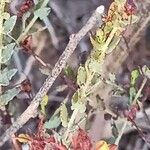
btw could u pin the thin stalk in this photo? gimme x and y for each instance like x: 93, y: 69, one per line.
x: 140, y: 90
x: 121, y: 132
x: 71, y: 122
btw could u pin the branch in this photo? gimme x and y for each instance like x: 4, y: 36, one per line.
x: 31, y: 111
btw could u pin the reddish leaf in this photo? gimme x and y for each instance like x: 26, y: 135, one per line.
x: 131, y: 113
x: 81, y: 141
x: 39, y: 141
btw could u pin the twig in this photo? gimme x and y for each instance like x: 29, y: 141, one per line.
x: 31, y: 111
x: 121, y: 132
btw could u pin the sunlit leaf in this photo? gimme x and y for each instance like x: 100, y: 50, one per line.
x: 44, y: 103
x: 95, y: 66
x: 64, y: 115
x: 42, y: 12
x: 9, y: 24
x: 115, y: 41
x: 81, y: 77
x: 132, y: 93
x: 53, y: 122
x: 96, y: 45
x: 80, y: 106
x: 134, y: 76
x: 100, y: 36
x: 146, y: 71
x: 8, y: 96
x: 6, y: 76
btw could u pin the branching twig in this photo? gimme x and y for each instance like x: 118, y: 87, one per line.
x: 31, y: 111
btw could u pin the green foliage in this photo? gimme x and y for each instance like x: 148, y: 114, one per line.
x: 9, y: 24
x: 8, y: 96
x: 42, y: 12
x: 6, y: 75
x: 64, y: 115
x: 132, y: 94
x: 53, y: 122
x: 80, y: 106
x: 115, y: 41
x: 44, y: 103
x: 134, y: 76
x: 7, y: 52
x: 95, y: 66
x: 104, y: 42
x: 69, y: 72
x: 81, y: 77
x: 146, y: 71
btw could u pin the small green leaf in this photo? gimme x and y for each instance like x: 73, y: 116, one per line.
x: 95, y: 66
x: 146, y: 71
x: 132, y: 93
x: 8, y: 96
x: 6, y: 76
x: 115, y: 41
x: 42, y: 12
x: 81, y: 77
x: 7, y: 52
x: 75, y: 97
x: 100, y: 36
x: 80, y: 106
x: 9, y: 24
x: 96, y: 45
x: 44, y: 103
x: 69, y: 72
x: 134, y: 76
x: 64, y: 115
x: 54, y: 122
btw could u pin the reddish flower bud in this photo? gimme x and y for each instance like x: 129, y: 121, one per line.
x: 26, y: 86
x: 27, y: 44
x: 130, y: 7
x: 25, y: 7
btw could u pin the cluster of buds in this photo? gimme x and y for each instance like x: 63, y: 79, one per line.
x: 131, y: 113
x: 25, y: 7
x: 26, y: 44
x: 26, y: 86
x: 130, y: 7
